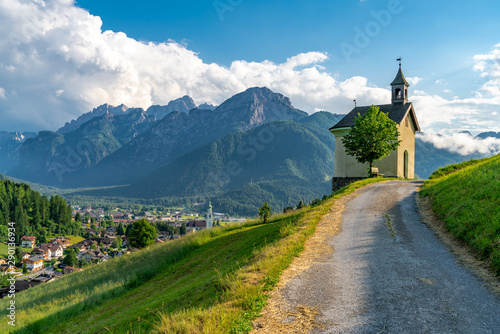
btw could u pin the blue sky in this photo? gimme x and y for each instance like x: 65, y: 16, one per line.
x: 437, y: 39
x: 60, y: 58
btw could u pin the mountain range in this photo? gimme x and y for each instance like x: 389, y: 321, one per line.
x: 254, y: 147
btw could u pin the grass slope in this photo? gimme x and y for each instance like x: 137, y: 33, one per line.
x: 429, y: 158
x: 212, y: 281
x: 466, y: 197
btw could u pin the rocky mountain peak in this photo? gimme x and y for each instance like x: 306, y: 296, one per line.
x: 183, y: 104
x: 258, y: 105
x: 96, y: 112
x: 206, y: 106
x: 489, y: 134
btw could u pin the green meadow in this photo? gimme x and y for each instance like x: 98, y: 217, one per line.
x: 466, y: 197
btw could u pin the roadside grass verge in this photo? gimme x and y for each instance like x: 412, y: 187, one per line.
x: 453, y: 168
x: 467, y: 201
x: 214, y: 281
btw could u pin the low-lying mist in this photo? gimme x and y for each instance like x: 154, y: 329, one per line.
x: 462, y: 143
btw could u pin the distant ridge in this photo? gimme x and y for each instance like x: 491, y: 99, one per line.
x: 96, y: 112
x: 183, y: 104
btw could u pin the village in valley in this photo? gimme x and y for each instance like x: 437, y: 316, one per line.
x: 105, y: 236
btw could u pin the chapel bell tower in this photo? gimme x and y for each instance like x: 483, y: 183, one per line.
x: 400, y: 87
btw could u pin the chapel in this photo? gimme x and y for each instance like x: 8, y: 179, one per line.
x: 401, y: 162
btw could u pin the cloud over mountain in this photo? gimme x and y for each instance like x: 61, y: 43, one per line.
x: 56, y: 63
x: 462, y: 143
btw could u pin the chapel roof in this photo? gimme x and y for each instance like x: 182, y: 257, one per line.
x: 396, y: 112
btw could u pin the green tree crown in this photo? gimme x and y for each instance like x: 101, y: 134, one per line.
x: 70, y: 259
x: 265, y: 212
x: 373, y: 137
x: 142, y: 234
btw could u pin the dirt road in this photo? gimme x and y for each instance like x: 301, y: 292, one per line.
x: 388, y: 273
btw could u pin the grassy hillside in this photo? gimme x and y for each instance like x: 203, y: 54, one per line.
x: 212, y: 281
x: 466, y: 198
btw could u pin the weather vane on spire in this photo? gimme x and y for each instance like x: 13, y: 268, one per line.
x: 399, y: 59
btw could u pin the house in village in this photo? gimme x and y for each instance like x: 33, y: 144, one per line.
x: 34, y: 263
x: 93, y: 255
x: 197, y: 225
x: 400, y: 163
x: 56, y: 251
x: 63, y: 241
x: 28, y: 242
x: 4, y: 268
x: 44, y: 251
x: 25, y: 256
x: 50, y: 250
x: 79, y: 247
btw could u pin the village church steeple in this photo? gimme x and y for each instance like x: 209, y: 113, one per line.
x: 399, y: 87
x: 210, y: 215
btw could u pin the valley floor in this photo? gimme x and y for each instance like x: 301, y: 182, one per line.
x: 384, y: 272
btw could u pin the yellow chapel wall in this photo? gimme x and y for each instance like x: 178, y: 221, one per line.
x: 391, y: 166
x: 407, y: 135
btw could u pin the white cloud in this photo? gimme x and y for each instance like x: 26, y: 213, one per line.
x: 60, y: 63
x: 489, y: 66
x: 462, y: 143
x: 2, y: 94
x: 447, y: 91
x: 476, y: 113
x: 413, y: 81
x: 305, y: 59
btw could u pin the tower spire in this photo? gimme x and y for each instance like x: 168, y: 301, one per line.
x: 210, y: 216
x: 399, y: 87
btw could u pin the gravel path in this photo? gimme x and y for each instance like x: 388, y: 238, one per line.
x: 390, y: 274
